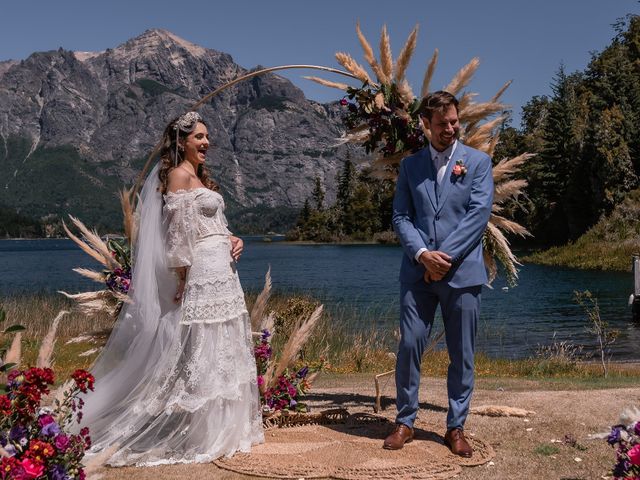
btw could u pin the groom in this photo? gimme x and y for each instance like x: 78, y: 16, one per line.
x: 441, y: 208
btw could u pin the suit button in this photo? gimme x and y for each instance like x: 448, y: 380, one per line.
x: 437, y: 217
x: 430, y: 241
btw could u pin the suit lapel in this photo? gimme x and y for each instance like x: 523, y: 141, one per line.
x: 428, y: 172
x: 460, y: 153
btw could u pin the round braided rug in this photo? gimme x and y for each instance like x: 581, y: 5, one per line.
x: 351, y: 450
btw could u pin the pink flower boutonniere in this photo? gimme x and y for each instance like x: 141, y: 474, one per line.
x: 459, y: 169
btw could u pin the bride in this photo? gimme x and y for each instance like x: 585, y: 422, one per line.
x: 176, y: 381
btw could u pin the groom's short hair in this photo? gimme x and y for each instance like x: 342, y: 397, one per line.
x: 437, y: 102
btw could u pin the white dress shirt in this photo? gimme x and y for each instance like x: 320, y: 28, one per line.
x: 440, y: 161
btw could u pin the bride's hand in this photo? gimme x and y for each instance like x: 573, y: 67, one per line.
x: 181, y: 273
x: 237, y: 245
x: 179, y: 291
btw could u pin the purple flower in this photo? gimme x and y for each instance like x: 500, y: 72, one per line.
x: 10, y: 449
x: 58, y: 473
x: 61, y: 442
x: 292, y: 403
x: 302, y: 372
x: 50, y: 429
x: 614, y: 436
x: 17, y: 433
x: 636, y: 428
x: 343, y: 102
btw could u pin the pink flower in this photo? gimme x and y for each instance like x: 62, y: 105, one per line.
x: 343, y: 102
x: 31, y: 468
x: 260, y: 380
x: 459, y: 169
x: 634, y: 455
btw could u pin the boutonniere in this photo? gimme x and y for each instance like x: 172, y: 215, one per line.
x: 459, y: 169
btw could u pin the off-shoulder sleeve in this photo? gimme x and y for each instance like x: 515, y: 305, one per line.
x: 180, y: 219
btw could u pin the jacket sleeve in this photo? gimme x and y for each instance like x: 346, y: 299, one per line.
x: 469, y: 231
x: 179, y: 216
x: 404, y: 214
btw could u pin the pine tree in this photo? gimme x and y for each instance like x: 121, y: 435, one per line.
x: 318, y: 195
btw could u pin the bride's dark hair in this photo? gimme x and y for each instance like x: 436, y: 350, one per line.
x: 169, y: 152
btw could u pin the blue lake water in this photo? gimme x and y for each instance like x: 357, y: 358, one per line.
x: 360, y: 283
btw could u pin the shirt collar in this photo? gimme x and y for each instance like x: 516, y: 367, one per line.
x: 448, y: 152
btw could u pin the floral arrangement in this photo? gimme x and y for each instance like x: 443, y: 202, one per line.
x: 625, y: 438
x: 289, y: 386
x: 115, y: 256
x: 33, y: 438
x: 382, y: 116
x: 119, y: 279
x: 393, y: 126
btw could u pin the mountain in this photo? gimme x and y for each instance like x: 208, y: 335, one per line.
x: 77, y: 126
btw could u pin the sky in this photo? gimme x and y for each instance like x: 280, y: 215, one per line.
x: 521, y: 40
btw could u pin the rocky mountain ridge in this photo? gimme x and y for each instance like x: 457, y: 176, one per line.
x: 76, y: 126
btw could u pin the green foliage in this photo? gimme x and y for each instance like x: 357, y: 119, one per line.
x: 608, y: 245
x: 362, y: 211
x: 57, y: 181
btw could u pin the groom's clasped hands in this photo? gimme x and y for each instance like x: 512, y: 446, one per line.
x: 436, y: 263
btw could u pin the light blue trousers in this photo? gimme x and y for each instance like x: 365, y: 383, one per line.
x: 460, y: 311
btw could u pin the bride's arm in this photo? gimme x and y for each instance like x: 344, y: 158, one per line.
x: 179, y: 216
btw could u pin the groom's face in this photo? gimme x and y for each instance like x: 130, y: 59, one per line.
x: 444, y: 128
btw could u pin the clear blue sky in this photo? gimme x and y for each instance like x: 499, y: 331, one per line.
x: 525, y: 41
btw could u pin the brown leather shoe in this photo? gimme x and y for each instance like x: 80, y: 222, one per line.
x: 401, y: 435
x: 454, y: 439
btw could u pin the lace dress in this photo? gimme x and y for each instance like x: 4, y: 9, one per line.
x: 201, y: 400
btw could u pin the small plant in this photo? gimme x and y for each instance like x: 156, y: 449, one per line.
x: 8, y: 361
x: 605, y: 336
x: 546, y: 449
x: 558, y: 357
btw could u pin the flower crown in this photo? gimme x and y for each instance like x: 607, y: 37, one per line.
x: 187, y: 122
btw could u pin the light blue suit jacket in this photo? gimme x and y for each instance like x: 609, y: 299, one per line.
x: 451, y: 217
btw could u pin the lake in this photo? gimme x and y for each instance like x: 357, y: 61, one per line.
x: 359, y: 283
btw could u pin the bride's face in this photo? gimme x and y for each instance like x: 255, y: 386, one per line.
x: 196, y: 145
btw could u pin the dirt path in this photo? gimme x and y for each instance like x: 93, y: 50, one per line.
x: 524, y: 449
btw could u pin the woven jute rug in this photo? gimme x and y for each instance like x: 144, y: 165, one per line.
x: 343, y: 446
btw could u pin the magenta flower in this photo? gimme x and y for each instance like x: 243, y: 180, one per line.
x: 62, y: 442
x: 634, y: 455
x: 45, y: 420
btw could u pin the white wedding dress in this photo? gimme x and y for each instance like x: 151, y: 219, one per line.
x: 177, y: 383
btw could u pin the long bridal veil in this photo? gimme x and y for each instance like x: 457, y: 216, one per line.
x: 142, y: 337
